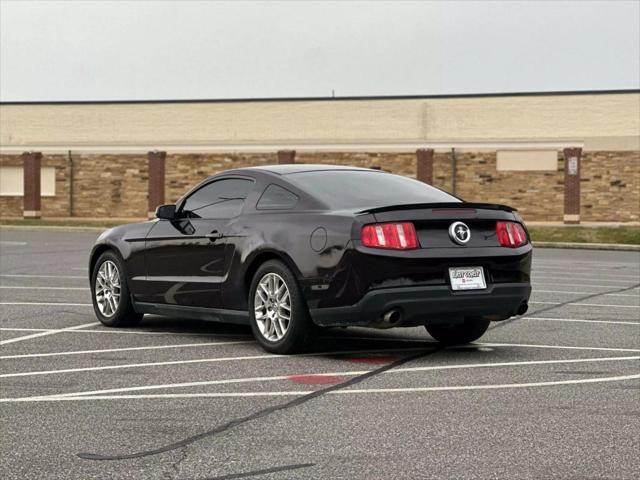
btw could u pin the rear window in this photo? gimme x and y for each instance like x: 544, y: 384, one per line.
x: 277, y: 198
x: 363, y: 189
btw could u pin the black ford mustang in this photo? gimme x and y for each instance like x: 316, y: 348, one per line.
x: 292, y: 247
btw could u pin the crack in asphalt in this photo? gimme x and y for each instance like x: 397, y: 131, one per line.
x: 260, y: 413
x: 264, y: 471
x: 563, y: 304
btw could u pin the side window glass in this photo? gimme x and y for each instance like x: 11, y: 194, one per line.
x: 277, y: 198
x: 221, y: 199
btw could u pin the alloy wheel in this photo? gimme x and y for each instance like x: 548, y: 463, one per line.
x: 272, y: 306
x: 107, y: 288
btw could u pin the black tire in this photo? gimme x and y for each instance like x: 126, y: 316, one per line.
x: 459, y: 334
x: 300, y: 330
x: 124, y: 315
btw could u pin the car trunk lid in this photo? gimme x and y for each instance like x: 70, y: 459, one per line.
x: 434, y: 222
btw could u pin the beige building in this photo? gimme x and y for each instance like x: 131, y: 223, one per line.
x: 499, y: 148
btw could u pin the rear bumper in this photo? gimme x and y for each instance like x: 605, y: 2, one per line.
x: 427, y: 304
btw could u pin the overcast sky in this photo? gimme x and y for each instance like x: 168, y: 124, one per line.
x: 106, y: 50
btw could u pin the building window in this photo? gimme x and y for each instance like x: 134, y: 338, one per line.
x: 527, y: 160
x: 12, y: 181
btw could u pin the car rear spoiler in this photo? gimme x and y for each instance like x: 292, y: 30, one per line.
x: 447, y: 205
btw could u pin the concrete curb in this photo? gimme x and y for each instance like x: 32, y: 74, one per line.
x: 588, y: 246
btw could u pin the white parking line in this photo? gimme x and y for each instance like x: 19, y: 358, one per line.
x: 585, y: 304
x: 274, y: 357
x: 41, y: 276
x: 580, y: 320
x: 200, y: 360
x: 487, y: 387
x: 604, y: 265
x: 586, y: 293
x: 208, y: 335
x: 125, y: 349
x: 24, y: 329
x: 122, y: 332
x: 6, y: 242
x: 48, y: 332
x: 48, y: 304
x: 335, y: 392
x: 625, y: 272
x: 581, y: 285
x: 595, y: 265
x: 595, y: 273
x: 559, y: 347
x: 599, y: 279
x: 599, y: 275
x: 341, y: 374
x: 10, y: 287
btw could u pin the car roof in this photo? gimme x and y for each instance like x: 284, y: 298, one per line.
x: 301, y: 167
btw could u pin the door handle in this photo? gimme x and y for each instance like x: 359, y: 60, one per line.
x: 213, y: 236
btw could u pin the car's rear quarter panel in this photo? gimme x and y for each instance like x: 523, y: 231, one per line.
x: 287, y: 236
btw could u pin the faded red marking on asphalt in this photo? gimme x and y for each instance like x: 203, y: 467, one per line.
x: 316, y: 379
x: 372, y: 359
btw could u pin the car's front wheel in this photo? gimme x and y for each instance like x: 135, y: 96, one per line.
x: 279, y: 316
x: 110, y: 293
x: 459, y: 333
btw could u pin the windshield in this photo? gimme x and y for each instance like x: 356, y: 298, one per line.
x: 366, y: 189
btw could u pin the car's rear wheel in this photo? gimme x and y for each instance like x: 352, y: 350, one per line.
x: 460, y: 333
x: 110, y: 293
x: 279, y: 316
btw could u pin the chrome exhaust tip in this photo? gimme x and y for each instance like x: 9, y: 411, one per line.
x: 392, y: 317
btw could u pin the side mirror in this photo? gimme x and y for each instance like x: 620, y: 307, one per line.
x: 166, y: 212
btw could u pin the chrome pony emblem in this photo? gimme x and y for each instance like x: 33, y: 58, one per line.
x: 459, y: 233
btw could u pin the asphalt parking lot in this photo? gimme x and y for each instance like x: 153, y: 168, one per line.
x: 555, y: 394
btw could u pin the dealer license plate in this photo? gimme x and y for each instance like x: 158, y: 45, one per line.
x: 467, y: 278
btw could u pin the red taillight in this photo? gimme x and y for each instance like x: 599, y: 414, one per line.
x: 511, y: 234
x: 397, y: 236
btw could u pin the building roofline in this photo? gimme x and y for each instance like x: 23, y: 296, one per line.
x: 516, y: 144
x: 324, y: 99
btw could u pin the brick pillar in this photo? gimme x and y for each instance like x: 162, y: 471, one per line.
x: 31, y: 162
x: 572, y: 185
x: 424, y: 165
x: 286, y: 156
x: 156, y: 180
